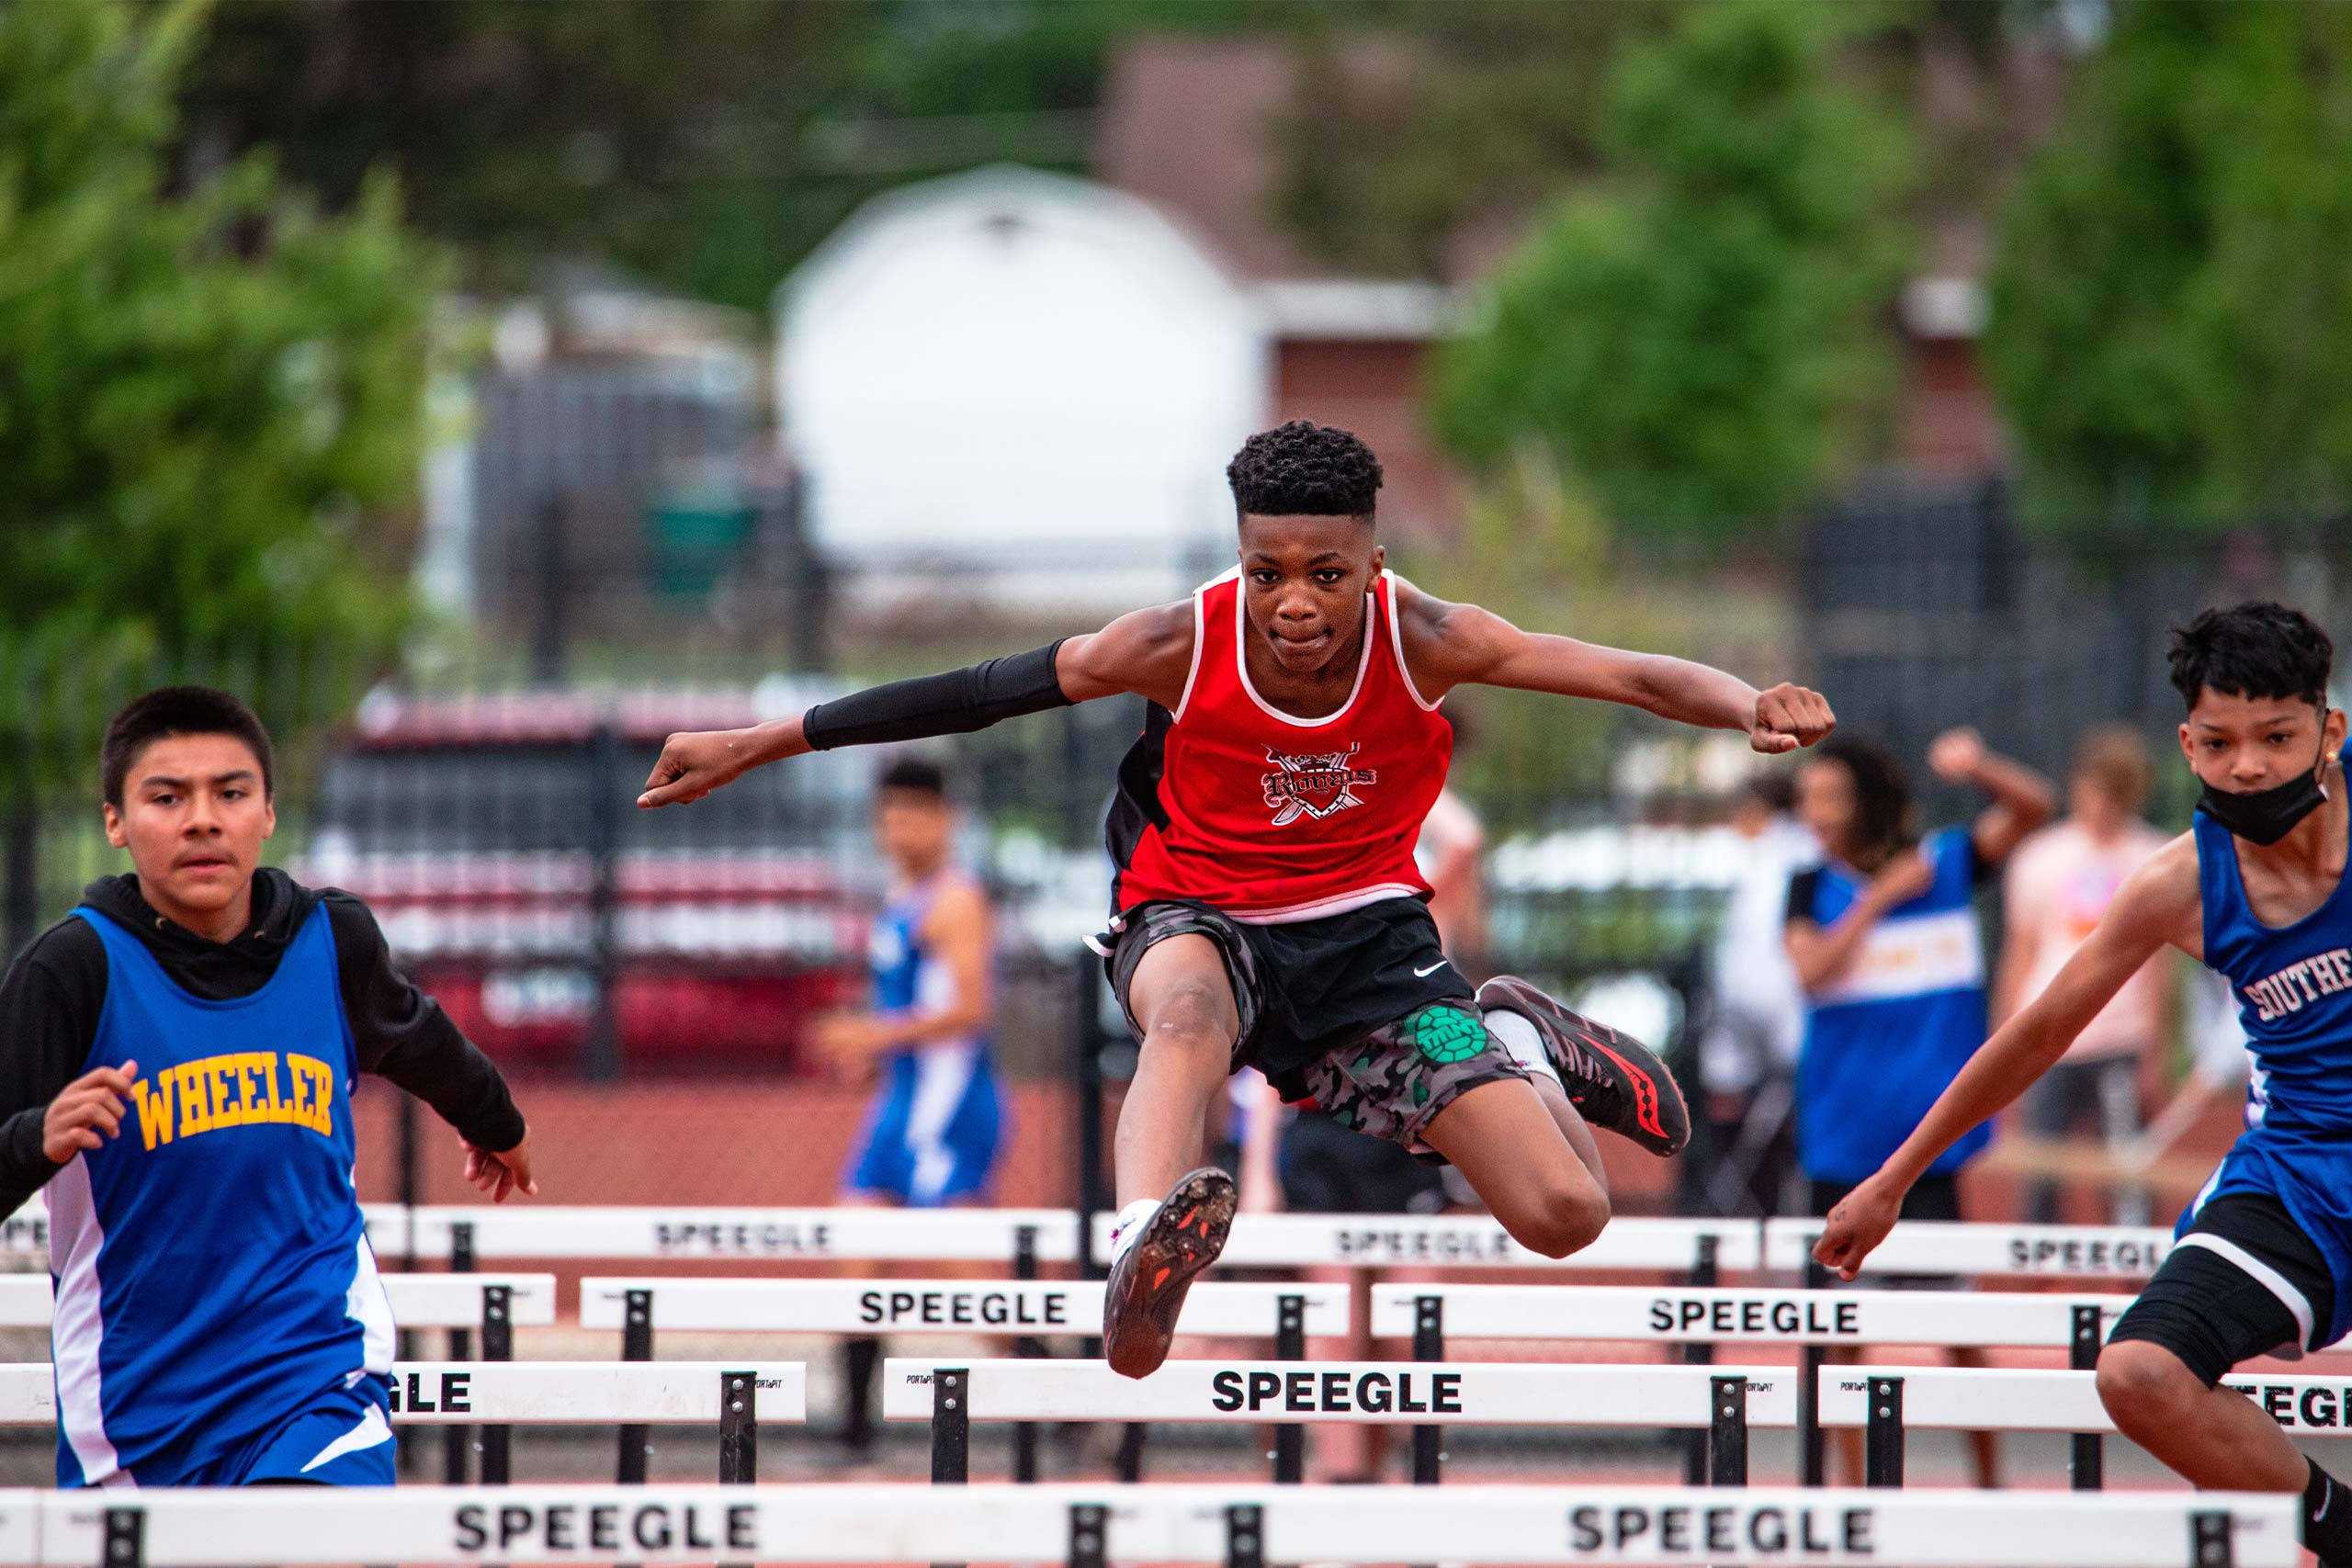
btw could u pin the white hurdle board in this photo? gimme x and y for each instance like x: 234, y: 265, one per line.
x: 2006, y: 1399
x: 1721, y: 1315
x: 520, y: 1394
x: 24, y: 1233
x: 1477, y: 1393
x: 1932, y: 1246
x: 419, y: 1301
x: 941, y: 1306
x: 895, y: 1524
x: 1463, y: 1241
x: 779, y: 1234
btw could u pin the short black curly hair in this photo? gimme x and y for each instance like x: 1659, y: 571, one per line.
x: 2260, y: 648
x: 1302, y: 469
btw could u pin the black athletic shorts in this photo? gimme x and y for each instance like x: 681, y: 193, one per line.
x: 2243, y: 1282
x: 1361, y: 1010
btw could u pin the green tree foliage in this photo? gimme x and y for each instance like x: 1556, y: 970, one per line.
x: 2172, y: 306
x: 1698, y: 334
x: 208, y: 394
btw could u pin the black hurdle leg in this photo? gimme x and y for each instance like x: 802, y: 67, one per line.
x: 951, y: 1430
x: 1245, y: 1536
x: 1028, y: 1347
x: 457, y: 1442
x: 1290, y: 1345
x: 1429, y: 1345
x: 497, y: 1345
x: 1089, y: 1523
x: 1727, y: 1432
x: 1810, y: 1361
x: 1882, y: 1436
x: 738, y: 1432
x: 1706, y: 1271
x: 2211, y: 1542
x: 126, y: 1538
x: 2088, y: 1457
x: 636, y: 1345
x: 1128, y: 1466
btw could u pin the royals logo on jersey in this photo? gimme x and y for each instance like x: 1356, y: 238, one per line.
x: 1313, y: 786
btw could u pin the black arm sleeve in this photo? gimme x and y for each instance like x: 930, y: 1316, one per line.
x: 403, y: 1035
x: 49, y: 1003
x: 1803, y: 887
x: 961, y: 700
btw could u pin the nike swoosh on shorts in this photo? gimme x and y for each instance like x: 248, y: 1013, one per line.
x: 1432, y: 969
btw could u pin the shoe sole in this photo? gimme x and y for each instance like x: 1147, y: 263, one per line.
x: 1180, y: 1241
x: 1650, y: 1113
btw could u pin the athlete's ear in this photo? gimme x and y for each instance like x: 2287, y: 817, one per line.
x: 1379, y: 559
x: 2188, y: 752
x: 115, y: 833
x: 268, y: 819
x: 2330, y: 730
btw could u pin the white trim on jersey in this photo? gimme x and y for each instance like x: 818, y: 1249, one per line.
x: 77, y: 1324
x: 2262, y: 1274
x: 1200, y: 637
x: 373, y: 1429
x: 367, y: 1304
x: 943, y: 1074
x: 1911, y: 956
x: 1336, y: 904
x: 1397, y: 645
x: 1241, y: 668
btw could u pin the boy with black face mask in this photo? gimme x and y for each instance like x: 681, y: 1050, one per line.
x: 2256, y: 890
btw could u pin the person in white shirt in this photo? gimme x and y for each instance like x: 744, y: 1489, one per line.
x: 2059, y: 885
x: 1748, y: 1053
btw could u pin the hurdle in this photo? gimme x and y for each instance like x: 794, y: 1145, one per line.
x: 1091, y: 1526
x: 489, y: 1302
x: 1724, y: 1403
x: 744, y: 1235
x: 1287, y: 1313
x: 738, y: 1397
x: 1887, y: 1403
x: 1811, y: 1318
x: 1692, y: 1246
x: 1979, y: 1250
x: 24, y: 1233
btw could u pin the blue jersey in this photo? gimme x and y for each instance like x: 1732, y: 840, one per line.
x: 1887, y: 1037
x: 2294, y: 989
x: 933, y: 1132
x: 216, y: 1300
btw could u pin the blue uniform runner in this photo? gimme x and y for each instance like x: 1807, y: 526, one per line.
x: 218, y: 1319
x: 2294, y: 990
x: 930, y: 1136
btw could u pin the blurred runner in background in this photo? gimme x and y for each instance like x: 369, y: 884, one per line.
x: 1747, y: 1056
x: 2060, y: 883
x: 934, y: 1131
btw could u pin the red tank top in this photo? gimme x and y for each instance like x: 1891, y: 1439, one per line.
x: 1231, y: 803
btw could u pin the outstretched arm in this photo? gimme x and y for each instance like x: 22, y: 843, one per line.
x: 1146, y: 651
x: 2156, y: 905
x: 2022, y: 799
x: 1460, y: 645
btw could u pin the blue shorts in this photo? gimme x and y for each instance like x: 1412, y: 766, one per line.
x: 932, y: 1133
x: 340, y: 1438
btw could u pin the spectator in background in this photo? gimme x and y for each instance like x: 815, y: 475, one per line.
x: 933, y: 1131
x: 1747, y: 1055
x: 1885, y: 941
x: 2060, y: 883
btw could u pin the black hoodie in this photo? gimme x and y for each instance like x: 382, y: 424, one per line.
x: 51, y: 996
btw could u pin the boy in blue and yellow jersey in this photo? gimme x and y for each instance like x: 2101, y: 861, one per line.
x: 2258, y: 891
x: 176, y: 1061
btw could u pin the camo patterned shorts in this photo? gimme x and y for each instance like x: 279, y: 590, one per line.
x: 1393, y: 1081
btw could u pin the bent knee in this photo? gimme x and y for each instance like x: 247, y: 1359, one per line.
x: 1561, y: 1223
x: 2142, y: 1384
x: 1192, y: 1015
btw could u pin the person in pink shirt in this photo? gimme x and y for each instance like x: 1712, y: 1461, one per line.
x: 2059, y: 885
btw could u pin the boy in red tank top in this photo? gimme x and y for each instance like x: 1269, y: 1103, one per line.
x: 1268, y: 911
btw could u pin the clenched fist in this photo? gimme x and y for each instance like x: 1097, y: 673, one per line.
x: 1788, y: 716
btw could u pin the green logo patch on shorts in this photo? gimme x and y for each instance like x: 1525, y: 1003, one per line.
x: 1446, y: 1034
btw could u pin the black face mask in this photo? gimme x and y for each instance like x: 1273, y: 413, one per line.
x: 2266, y: 815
